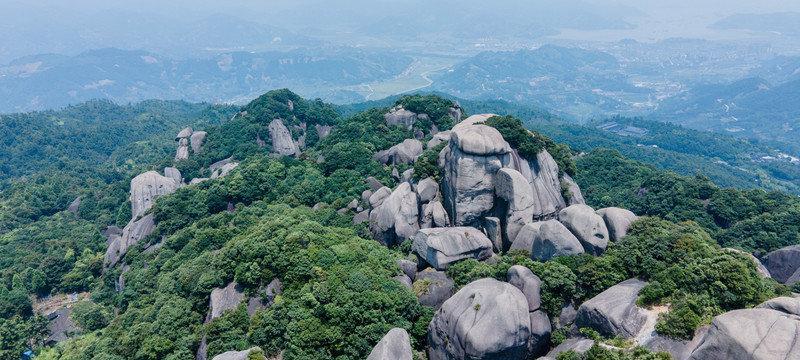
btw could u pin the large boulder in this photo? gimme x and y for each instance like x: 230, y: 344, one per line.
x: 400, y: 117
x: 784, y: 304
x: 486, y: 319
x: 784, y: 264
x: 530, y: 285
x: 471, y: 160
x: 546, y: 240
x: 577, y: 345
x: 282, y: 142
x: 440, y: 247
x: 517, y: 204
x: 405, y: 152
x: 182, y: 153
x: 397, y: 218
x: 614, y: 312
x: 433, y: 287
x: 184, y: 134
x: 395, y: 345
x: 135, y: 231
x: 617, y: 220
x: 197, y: 139
x: 427, y: 189
x: 750, y: 334
x: 433, y: 215
x: 573, y: 191
x: 587, y: 226
x: 543, y: 175
x: 146, y: 188
x: 376, y: 199
x: 439, y: 138
x: 224, y: 299
x: 254, y: 353
x: 174, y: 174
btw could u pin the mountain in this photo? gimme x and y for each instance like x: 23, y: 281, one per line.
x: 783, y: 23
x: 52, y: 81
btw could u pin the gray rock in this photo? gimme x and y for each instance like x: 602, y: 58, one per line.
x: 783, y: 263
x: 405, y: 152
x: 433, y: 287
x: 530, y: 285
x: 546, y: 240
x: 223, y: 169
x: 493, y: 228
x: 75, y: 205
x: 400, y: 117
x: 408, y: 267
x: 762, y: 270
x: 265, y: 297
x: 438, y: 138
x: 543, y: 175
x: 486, y: 319
x: 135, y: 231
x: 376, y: 199
x: 174, y: 174
x: 578, y: 345
x: 440, y: 247
x: 182, y: 153
x: 224, y: 299
x: 361, y: 217
x: 146, y: 188
x: 197, y: 140
x: 587, y: 226
x: 541, y: 329
x: 60, y: 326
x: 407, y: 175
x: 395, y: 174
x: 427, y: 189
x: 433, y: 215
x: 397, y: 218
x: 517, y: 205
x: 404, y: 280
x: 750, y: 334
x: 474, y: 155
x: 323, y: 130
x: 575, y: 195
x: 365, y: 195
x: 617, y: 220
x: 455, y: 112
x: 613, y: 312
x: 184, y: 134
x: 395, y: 345
x: 374, y: 184
x: 567, y: 315
x: 237, y: 355
x: 676, y: 348
x: 784, y: 304
x: 197, y: 180
x: 282, y: 142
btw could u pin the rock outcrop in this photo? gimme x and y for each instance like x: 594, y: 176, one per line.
x: 174, y: 174
x: 427, y: 189
x: 516, y: 204
x: 617, y: 220
x: 486, y: 319
x: 750, y: 334
x: 543, y: 176
x: 784, y: 304
x: 254, y: 353
x: 546, y: 240
x: 472, y: 158
x: 433, y: 215
x: 282, y: 142
x: 222, y: 168
x: 587, y: 226
x: 397, y: 217
x: 440, y: 247
x: 614, y: 312
x: 784, y: 264
x: 405, y: 152
x: 400, y: 117
x: 433, y: 288
x: 224, y: 299
x: 197, y: 139
x: 182, y: 153
x: 395, y: 345
x: 530, y: 285
x: 75, y: 205
x: 577, y: 345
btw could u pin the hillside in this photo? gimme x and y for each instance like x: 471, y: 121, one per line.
x: 410, y: 230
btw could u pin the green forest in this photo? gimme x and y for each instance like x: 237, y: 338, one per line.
x: 278, y: 217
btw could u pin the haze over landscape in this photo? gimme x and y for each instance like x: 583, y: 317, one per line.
x: 342, y: 179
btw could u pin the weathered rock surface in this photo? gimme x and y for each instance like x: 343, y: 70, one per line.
x: 405, y: 152
x: 397, y: 218
x: 517, y: 203
x: 282, y: 142
x: 546, y: 240
x: 323, y: 130
x: 265, y: 297
x: 184, y: 134
x: 75, y: 205
x: 486, y: 319
x: 224, y: 299
x: 376, y: 199
x: 784, y: 263
x: 361, y: 217
x: 474, y: 155
x: 174, y: 174
x: 530, y: 285
x: 404, y: 280
x: 617, y: 220
x: 395, y: 345
x: 676, y: 348
x: 408, y: 267
x: 750, y: 334
x: 146, y: 188
x: 427, y: 189
x: 400, y: 117
x: 433, y: 287
x: 135, y: 231
x: 433, y: 215
x: 438, y: 138
x: 578, y: 345
x: 587, y: 226
x: 440, y: 247
x: 543, y: 176
x: 222, y: 168
x: 613, y: 312
x: 541, y: 329
x: 374, y: 184
x: 60, y: 326
x: 182, y: 153
x: 784, y: 304
x: 197, y: 140
x: 239, y: 355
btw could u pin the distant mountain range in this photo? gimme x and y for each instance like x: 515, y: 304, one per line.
x: 784, y: 23
x: 51, y: 81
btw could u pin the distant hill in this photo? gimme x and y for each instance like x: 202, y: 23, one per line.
x: 51, y: 81
x: 785, y: 23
